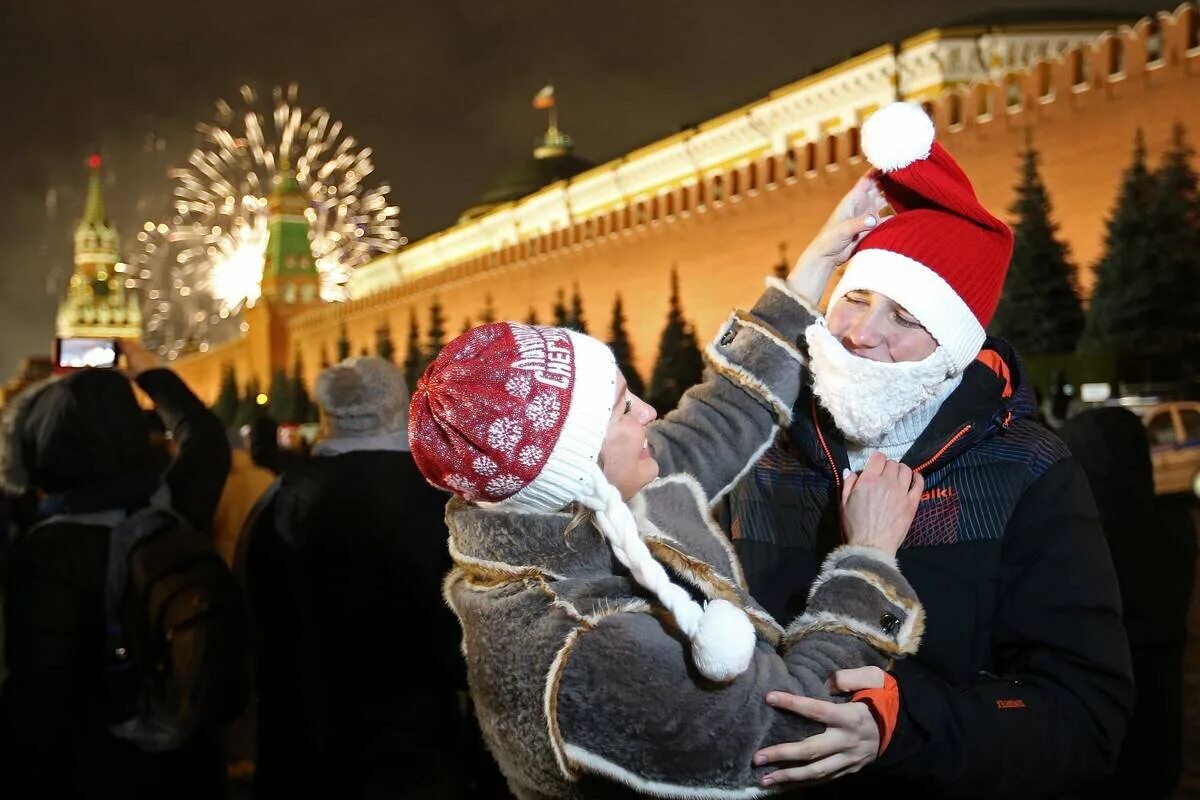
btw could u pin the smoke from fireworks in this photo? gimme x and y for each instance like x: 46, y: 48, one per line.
x: 204, y: 265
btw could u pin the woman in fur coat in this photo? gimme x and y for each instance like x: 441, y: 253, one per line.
x: 611, y: 647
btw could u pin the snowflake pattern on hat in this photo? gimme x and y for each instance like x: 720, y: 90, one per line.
x: 543, y: 411
x: 461, y: 485
x: 519, y: 386
x: 505, y: 434
x: 504, y: 485
x: 484, y: 466
x: 531, y: 455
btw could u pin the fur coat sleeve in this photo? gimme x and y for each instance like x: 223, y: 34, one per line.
x: 631, y: 709
x: 755, y: 371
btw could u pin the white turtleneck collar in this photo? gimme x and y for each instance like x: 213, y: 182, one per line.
x: 897, y: 441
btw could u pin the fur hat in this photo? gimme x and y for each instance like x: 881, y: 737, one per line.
x: 363, y: 396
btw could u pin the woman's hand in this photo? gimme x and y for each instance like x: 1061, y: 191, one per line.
x: 879, y: 503
x: 857, y: 213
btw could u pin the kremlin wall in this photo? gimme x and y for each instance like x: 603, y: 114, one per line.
x: 728, y: 200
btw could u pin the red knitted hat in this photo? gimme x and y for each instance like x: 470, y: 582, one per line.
x: 942, y: 256
x: 515, y: 414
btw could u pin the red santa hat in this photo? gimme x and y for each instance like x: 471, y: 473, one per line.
x: 942, y: 256
x: 514, y: 416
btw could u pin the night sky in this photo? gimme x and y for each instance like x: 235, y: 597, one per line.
x: 439, y: 89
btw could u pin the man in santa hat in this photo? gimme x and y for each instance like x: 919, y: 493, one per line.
x: 1023, y: 684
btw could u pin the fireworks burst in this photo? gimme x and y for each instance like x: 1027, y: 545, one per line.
x: 200, y: 269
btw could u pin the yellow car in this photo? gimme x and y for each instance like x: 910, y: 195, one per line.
x: 1174, y: 433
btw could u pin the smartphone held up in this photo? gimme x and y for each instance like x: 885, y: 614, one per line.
x: 81, y: 352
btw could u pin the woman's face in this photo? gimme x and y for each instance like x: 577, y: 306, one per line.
x: 872, y: 325
x: 624, y: 458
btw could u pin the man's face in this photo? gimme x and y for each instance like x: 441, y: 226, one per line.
x: 871, y: 325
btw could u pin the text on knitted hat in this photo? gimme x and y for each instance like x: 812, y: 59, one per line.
x: 545, y: 352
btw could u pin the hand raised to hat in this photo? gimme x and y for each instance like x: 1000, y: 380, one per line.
x: 856, y: 214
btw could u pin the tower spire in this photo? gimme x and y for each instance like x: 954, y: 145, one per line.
x: 93, y: 211
x: 289, y: 271
x: 97, y: 303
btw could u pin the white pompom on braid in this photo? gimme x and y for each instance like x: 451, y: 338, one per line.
x: 897, y: 135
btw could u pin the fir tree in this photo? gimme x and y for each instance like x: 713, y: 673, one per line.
x: 1121, y: 313
x: 280, y: 398
x: 1039, y: 311
x: 575, y: 319
x: 1176, y: 219
x: 622, y: 348
x: 466, y: 326
x: 343, y: 344
x: 363, y: 352
x: 414, y: 359
x: 436, y: 337
x: 559, y: 315
x: 324, y: 357
x: 679, y: 365
x: 488, y: 315
x: 532, y: 319
x: 226, y: 407
x: 248, y: 407
x: 383, y: 342
x: 302, y: 404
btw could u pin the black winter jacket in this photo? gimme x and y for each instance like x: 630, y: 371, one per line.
x: 1022, y: 686
x: 53, y: 737
x: 358, y: 657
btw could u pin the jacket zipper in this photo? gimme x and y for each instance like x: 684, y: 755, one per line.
x: 837, y: 479
x: 942, y: 450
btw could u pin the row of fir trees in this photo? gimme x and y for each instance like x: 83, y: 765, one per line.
x: 679, y: 364
x: 1146, y: 290
x: 285, y: 400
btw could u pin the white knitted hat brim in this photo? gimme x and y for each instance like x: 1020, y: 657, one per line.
x: 923, y: 293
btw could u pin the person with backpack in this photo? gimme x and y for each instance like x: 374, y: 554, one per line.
x: 344, y: 569
x: 115, y: 602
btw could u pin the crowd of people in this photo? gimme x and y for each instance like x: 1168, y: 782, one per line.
x: 851, y: 561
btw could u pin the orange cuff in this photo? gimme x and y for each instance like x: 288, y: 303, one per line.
x: 884, y: 704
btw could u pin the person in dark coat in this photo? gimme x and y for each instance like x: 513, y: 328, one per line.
x: 1023, y: 685
x: 1153, y: 544
x: 83, y: 443
x: 358, y: 664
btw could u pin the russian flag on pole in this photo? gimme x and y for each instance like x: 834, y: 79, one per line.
x: 544, y: 98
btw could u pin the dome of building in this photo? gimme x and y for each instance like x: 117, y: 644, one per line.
x: 552, y: 160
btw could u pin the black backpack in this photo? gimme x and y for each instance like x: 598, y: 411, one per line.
x: 175, y: 640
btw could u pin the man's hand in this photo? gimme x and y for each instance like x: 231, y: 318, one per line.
x: 850, y: 740
x: 857, y: 213
x: 879, y: 503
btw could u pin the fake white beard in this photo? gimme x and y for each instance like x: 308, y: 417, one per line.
x: 867, y: 398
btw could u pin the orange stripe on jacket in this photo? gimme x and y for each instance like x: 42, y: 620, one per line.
x: 996, y: 364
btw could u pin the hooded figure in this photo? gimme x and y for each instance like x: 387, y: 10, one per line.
x: 83, y: 444
x: 612, y: 649
x: 351, y: 546
x: 1153, y: 543
x: 1023, y: 683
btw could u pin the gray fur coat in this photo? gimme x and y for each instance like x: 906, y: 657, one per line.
x: 583, y: 687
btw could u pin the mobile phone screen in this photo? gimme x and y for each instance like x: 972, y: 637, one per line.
x: 81, y: 352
